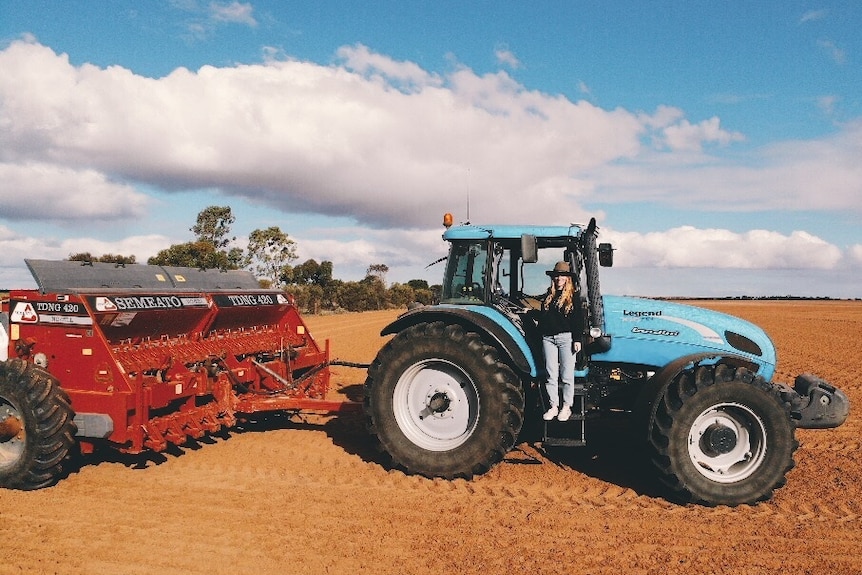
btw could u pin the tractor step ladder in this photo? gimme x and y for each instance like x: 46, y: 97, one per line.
x: 569, y: 433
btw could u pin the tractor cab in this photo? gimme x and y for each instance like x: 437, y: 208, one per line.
x: 505, y: 267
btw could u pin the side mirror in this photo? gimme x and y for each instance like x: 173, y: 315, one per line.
x: 606, y: 255
x: 529, y: 249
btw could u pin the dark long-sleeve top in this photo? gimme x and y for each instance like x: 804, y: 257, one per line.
x: 553, y: 320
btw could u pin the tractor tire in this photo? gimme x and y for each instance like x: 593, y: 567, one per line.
x: 36, y: 427
x: 441, y: 404
x: 719, y: 435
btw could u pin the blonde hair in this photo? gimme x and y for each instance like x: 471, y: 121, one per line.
x: 567, y: 294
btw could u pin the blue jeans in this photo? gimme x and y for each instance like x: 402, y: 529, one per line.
x: 560, y: 365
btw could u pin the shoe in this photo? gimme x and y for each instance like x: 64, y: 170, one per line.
x: 565, y: 413
x: 551, y: 413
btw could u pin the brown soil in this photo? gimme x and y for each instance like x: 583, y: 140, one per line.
x: 311, y: 497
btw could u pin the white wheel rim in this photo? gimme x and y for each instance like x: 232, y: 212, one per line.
x: 436, y: 405
x: 727, y: 442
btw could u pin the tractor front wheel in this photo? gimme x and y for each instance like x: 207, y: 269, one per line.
x: 440, y: 402
x: 36, y: 427
x: 721, y: 436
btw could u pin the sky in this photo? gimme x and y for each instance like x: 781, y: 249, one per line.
x: 717, y: 144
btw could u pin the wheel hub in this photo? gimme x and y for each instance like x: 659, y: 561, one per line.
x: 718, y: 439
x: 439, y: 402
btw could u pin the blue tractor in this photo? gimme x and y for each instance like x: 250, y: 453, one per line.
x: 448, y: 395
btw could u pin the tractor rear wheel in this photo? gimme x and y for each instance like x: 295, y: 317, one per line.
x: 441, y: 404
x: 721, y: 436
x: 36, y: 427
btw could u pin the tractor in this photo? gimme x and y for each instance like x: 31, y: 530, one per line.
x: 447, y: 396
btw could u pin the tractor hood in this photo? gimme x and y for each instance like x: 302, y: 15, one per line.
x: 655, y: 332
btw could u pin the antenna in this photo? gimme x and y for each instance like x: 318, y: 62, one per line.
x: 468, y: 195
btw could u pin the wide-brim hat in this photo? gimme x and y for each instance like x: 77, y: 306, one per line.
x: 560, y: 269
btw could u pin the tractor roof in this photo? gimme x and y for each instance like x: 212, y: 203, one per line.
x: 511, y: 232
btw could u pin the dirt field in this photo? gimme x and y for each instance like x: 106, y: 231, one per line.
x: 279, y: 497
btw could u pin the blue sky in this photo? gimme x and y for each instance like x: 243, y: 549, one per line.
x: 717, y: 143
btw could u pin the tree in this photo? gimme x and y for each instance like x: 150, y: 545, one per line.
x: 209, y: 250
x: 364, y: 295
x: 401, y: 295
x: 422, y: 293
x: 269, y: 252
x: 202, y: 255
x: 311, y: 272
x: 309, y: 298
x: 213, y: 226
x: 106, y: 258
x: 378, y: 271
x: 374, y: 292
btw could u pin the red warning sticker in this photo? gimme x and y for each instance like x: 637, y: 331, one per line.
x: 24, y: 313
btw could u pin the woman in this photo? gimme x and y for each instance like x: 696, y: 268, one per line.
x: 559, y: 319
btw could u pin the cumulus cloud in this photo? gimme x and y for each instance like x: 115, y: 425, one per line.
x: 393, y: 147
x: 42, y: 191
x: 377, y: 67
x: 337, y: 140
x: 369, y: 137
x: 815, y: 175
x: 15, y: 247
x: 400, y: 249
x: 690, y: 247
x: 685, y: 136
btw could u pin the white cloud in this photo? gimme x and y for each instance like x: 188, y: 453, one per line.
x: 202, y: 19
x: 813, y: 15
x: 382, y: 141
x: 406, y: 252
x: 232, y: 12
x: 689, y: 247
x: 393, y: 147
x: 16, y: 247
x: 507, y: 58
x: 827, y: 104
x: 838, y: 55
x: 688, y: 137
x: 304, y: 137
x: 142, y: 247
x: 816, y: 175
x: 360, y: 59
x: 41, y: 191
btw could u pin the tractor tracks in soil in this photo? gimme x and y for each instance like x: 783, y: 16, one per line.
x: 308, y: 461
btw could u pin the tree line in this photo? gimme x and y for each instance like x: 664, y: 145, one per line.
x: 270, y: 256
